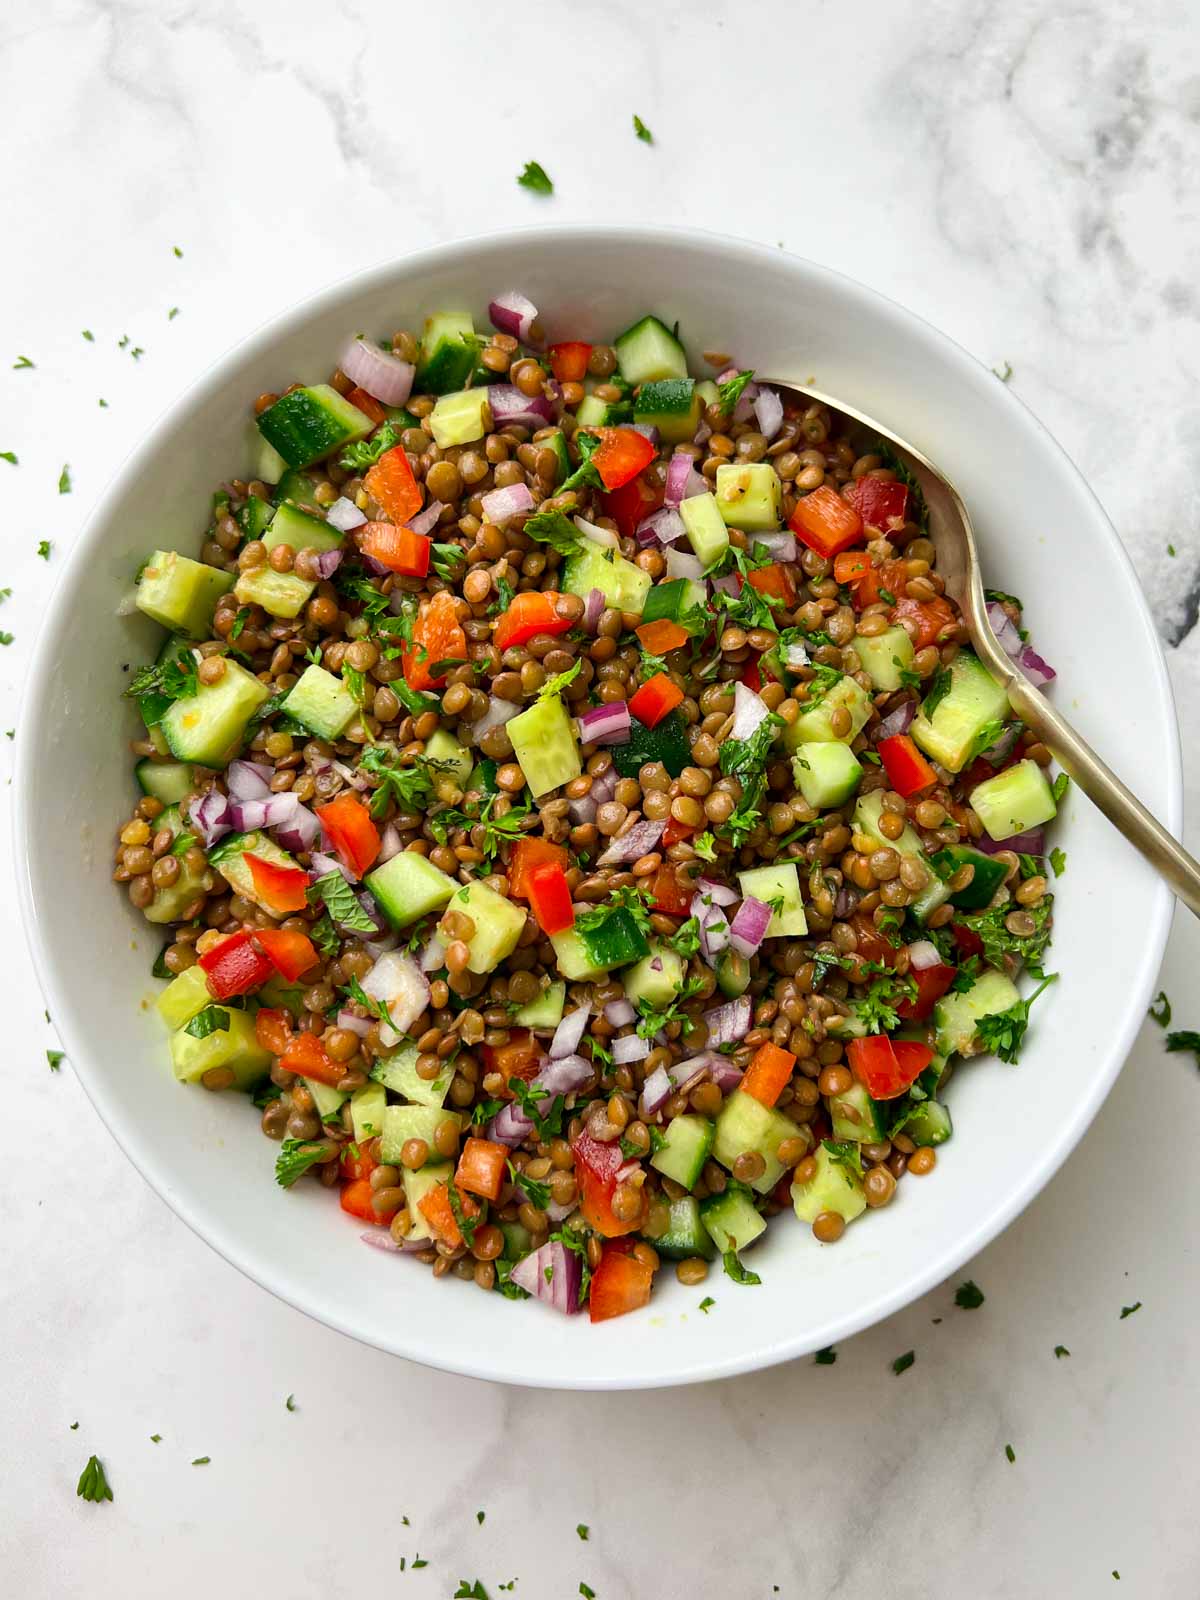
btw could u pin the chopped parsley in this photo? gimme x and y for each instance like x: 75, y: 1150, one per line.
x: 479, y: 1517
x: 826, y: 1357
x: 547, y: 1123
x: 642, y: 131
x: 964, y: 978
x: 536, y: 178
x: 295, y: 1158
x: 44, y: 548
x: 410, y: 787
x: 364, y: 453
x: 505, y: 594
x: 586, y: 1592
x: 902, y: 1363
x: 93, y: 1485
x: 1059, y: 787
x: 55, y: 1058
x: 705, y: 846
x: 969, y: 1296
x: 376, y: 1008
x: 1127, y: 1311
x: 495, y: 830
x: 1010, y: 1452
x: 582, y: 1529
x: 470, y: 1591
x: 8, y: 455
x: 685, y: 941
x: 202, y: 1461
x: 173, y: 680
x: 290, y: 1402
x: 1004, y: 1031
x: 1000, y: 947
x: 555, y: 529
x: 467, y: 1223
x: 626, y: 898
x: 734, y: 1269
x: 537, y: 1192
x: 561, y: 680
x: 707, y: 1304
x: 586, y: 474
x: 19, y: 365
x: 213, y: 1019
x: 731, y: 390
x: 1060, y: 1350
x: 1161, y: 1010
x: 876, y: 1009
x: 343, y: 903
x: 1058, y: 860
x: 652, y: 1020
x: 939, y: 688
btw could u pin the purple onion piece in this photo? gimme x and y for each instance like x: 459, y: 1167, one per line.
x: 730, y: 1023
x: 606, y: 724
x: 381, y: 374
x: 847, y: 901
x: 211, y: 816
x: 352, y: 1023
x: 1032, y: 843
x: 511, y: 408
x: 749, y: 711
x: 564, y: 1075
x: 593, y: 610
x: 922, y: 955
x: 656, y: 1091
x: 724, y: 1074
x: 749, y: 926
x: 513, y: 313
x: 682, y: 564
x: 344, y: 515
x: 768, y: 411
x: 719, y: 893
x: 514, y: 500
x: 897, y: 721
x: 630, y: 1047
x: 619, y: 1013
x: 639, y: 841
x: 427, y: 519
x: 1035, y: 669
x: 328, y: 561
x: 248, y: 780
x: 664, y: 526
x: 569, y: 1034
x: 510, y: 1125
x: 552, y: 1274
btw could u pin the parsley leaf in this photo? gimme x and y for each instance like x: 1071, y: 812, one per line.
x: 876, y: 1009
x: 364, y: 453
x: 826, y: 1357
x: 44, y: 548
x: 902, y: 1363
x: 410, y: 787
x: 495, y: 830
x: 939, y: 688
x: 1127, y: 1311
x: 1058, y: 860
x: 93, y: 1485
x: 376, y: 1008
x: 707, y: 1304
x: 8, y: 455
x: 174, y: 680
x: 536, y: 178
x: 731, y: 390
x: 537, y: 1192
x: 505, y: 594
x: 1004, y: 949
x: 625, y: 898
x: 555, y: 685
x: 652, y: 1021
x: 1060, y: 1350
x: 735, y: 1270
x: 447, y: 560
x: 213, y: 1019
x: 586, y: 474
x: 466, y: 1223
x: 1004, y: 1031
x: 642, y: 131
x: 685, y: 941
x: 1059, y: 787
x: 295, y: 1158
x: 547, y: 1123
x: 343, y: 904
x: 964, y: 978
x: 556, y: 529
x: 969, y: 1296
x: 55, y: 1058
x: 1184, y: 1040
x: 582, y: 1529
x: 1161, y: 1010
x: 64, y: 481
x: 705, y: 846
x: 471, y: 1591
x: 844, y: 1153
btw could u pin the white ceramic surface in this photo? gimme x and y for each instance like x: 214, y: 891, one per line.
x: 205, y: 1154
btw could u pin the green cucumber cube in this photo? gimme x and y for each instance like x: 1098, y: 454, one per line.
x: 255, y: 517
x: 281, y: 594
x: 929, y: 1124
x: 266, y: 464
x: 973, y: 703
x: 778, y: 882
x: 866, y: 820
x: 623, y: 585
x: 309, y: 424
x: 854, y: 1115
x: 833, y: 1187
x: 445, y: 754
x: 416, y: 1186
x: 168, y: 781
x: 295, y: 528
x: 956, y: 1016
x: 301, y: 489
x: 235, y: 1047
x: 544, y: 744
x: 185, y: 997
x: 730, y: 1219
x: 672, y: 406
x: 459, y: 418
x: 885, y: 656
x: 229, y: 858
x: 592, y: 412
x: 686, y: 1235
x: 181, y: 593
x: 544, y: 1010
x: 320, y: 702
x: 557, y: 442
x: 1014, y: 801
x: 750, y: 496
x: 745, y: 1124
x: 499, y: 924
x: 573, y: 957
x: 656, y: 985
x: 989, y: 874
x: 816, y: 722
x: 408, y: 887
x: 367, y: 1108
x: 705, y: 528
x: 209, y: 726
x: 401, y: 1123
x: 399, y: 1073
x: 685, y: 1149
x: 827, y: 772
x: 449, y: 350
x: 648, y: 352
x: 327, y: 1100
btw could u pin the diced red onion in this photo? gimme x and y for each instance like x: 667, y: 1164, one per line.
x: 730, y: 1023
x: 897, y: 721
x: 248, y: 815
x: 749, y: 712
x: 351, y: 776
x: 323, y: 865
x: 427, y: 519
x: 582, y: 811
x: 781, y: 544
x: 381, y: 1239
x: 768, y: 410
x: 380, y: 947
x: 379, y: 372
x: 514, y: 500
x: 552, y: 1274
x: 922, y: 955
x: 639, y: 841
x: 497, y: 714
x: 390, y: 843
x: 663, y: 526
x: 681, y: 564
x: 646, y: 429
x: 604, y: 537
x: 295, y: 826
x: 211, y: 816
x: 724, y: 1074
x: 996, y: 754
x: 569, y: 1033
x: 796, y: 655
x: 749, y: 926
x: 564, y: 1074
x: 604, y: 786
x: 593, y: 610
x: 609, y: 723
x: 1005, y: 629
x: 701, y: 436
x: 1032, y: 843
x: 344, y: 515
x: 558, y: 1210
x: 512, y: 313
x: 744, y: 408
x: 1035, y: 669
x: 683, y: 481
x: 510, y: 1125
x: 511, y: 408
x: 729, y: 584
x: 630, y: 1048
x: 714, y: 927
x: 719, y: 893
x: 353, y: 1023
x: 404, y: 989
x: 619, y: 1013
x: 656, y: 1091
x: 625, y: 1172
x: 248, y: 780
x: 378, y: 570
x: 685, y: 1074
x: 327, y: 562
x: 433, y: 956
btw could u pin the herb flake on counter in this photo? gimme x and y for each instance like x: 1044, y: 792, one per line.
x: 480, y: 1517
x: 586, y: 1592
x: 1184, y: 1039
x: 582, y: 1529
x: 290, y: 1402
x: 1127, y: 1311
x: 19, y: 365
x: 1010, y: 1453
x: 902, y: 1363
x: 156, y: 1438
x: 202, y: 1461
x: 172, y: 314
x: 642, y: 131
x: 826, y: 1357
x: 64, y: 480
x: 10, y: 456
x: 536, y: 178
x: 1005, y: 372
x: 707, y: 1304
x: 93, y: 1485
x: 1060, y: 1350
x: 1161, y: 1009
x: 969, y: 1296
x: 55, y: 1058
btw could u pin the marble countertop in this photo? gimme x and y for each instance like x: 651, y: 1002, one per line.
x: 1017, y: 175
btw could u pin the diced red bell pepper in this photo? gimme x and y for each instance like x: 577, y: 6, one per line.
x: 391, y: 484
x: 768, y: 1072
x: 932, y: 983
x: 621, y: 1283
x: 633, y: 504
x: 928, y: 617
x: 887, y: 1067
x: 775, y: 580
x: 596, y: 1168
x: 621, y: 454
x: 751, y: 674
x: 669, y: 893
x: 526, y: 855
x: 356, y: 1199
x: 881, y: 502
x: 531, y: 612
x: 825, y: 522
x: 519, y: 1058
x: 569, y: 360
x: 347, y: 825
x: 661, y: 635
x: 306, y: 1056
x: 283, y: 888
x: 437, y: 636
x: 399, y: 549
x: 871, y: 945
x: 907, y: 769
x: 550, y: 898
x: 868, y: 583
x: 481, y: 1168
x: 967, y: 940
x: 273, y: 1029
x: 655, y: 699
x: 435, y: 1207
x: 356, y: 1162
x: 235, y: 966
x: 291, y: 952
x: 675, y: 831
x: 367, y: 404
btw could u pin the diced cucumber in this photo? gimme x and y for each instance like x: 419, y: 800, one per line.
x: 443, y: 752
x: 209, y: 726
x: 867, y: 812
x: 367, y: 1107
x: 301, y: 489
x: 544, y: 1010
x: 827, y: 772
x: 1014, y: 801
x: 973, y: 701
x: 686, y: 1235
x: 557, y: 442
x: 835, y: 1186
x: 416, y: 1186
x: 545, y: 746
x: 592, y: 412
x: 181, y: 593
x: 956, y: 1016
x: 401, y: 1123
x: 326, y: 1099
x: 816, y: 722
x: 685, y: 1149
x: 750, y: 496
x: 648, y: 352
x: 498, y: 925
x: 185, y: 997
x: 656, y: 979
x: 266, y: 464
x: 281, y: 594
x: 309, y: 424
x: 399, y: 1073
x: 705, y: 527
x: 854, y: 1115
x: 299, y: 531
x: 168, y: 781
x: 674, y: 599
x: 623, y: 585
x: 255, y: 517
x: 408, y: 887
x: 708, y: 391
x: 989, y: 874
x: 574, y: 960
x: 885, y: 655
x: 778, y: 882
x: 235, y: 1047
x: 617, y: 941
x: 517, y: 1241
x: 449, y: 347
x: 745, y: 1124
x: 929, y: 1123
x: 229, y: 858
x: 730, y: 1219
x: 666, y: 742
x: 320, y: 702
x: 282, y: 995
x: 459, y: 418
x: 672, y: 406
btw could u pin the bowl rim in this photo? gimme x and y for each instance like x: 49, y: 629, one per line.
x: 74, y: 1037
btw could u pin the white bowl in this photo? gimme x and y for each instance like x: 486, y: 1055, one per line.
x: 1043, y: 536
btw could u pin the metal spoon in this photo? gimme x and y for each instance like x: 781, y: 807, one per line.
x: 958, y: 566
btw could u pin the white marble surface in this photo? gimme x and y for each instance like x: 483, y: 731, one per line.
x: 1021, y: 175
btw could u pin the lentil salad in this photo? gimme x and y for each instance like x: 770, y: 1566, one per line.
x: 579, y: 823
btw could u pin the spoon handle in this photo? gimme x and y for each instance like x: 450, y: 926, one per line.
x: 1105, y: 790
